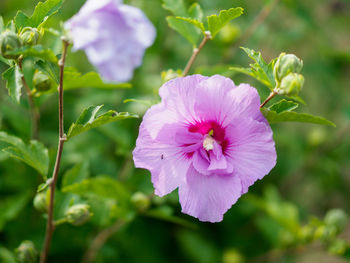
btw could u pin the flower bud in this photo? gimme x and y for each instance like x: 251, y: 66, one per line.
x: 29, y: 36
x: 291, y: 84
x: 337, y: 218
x: 78, y: 214
x: 9, y: 41
x: 26, y: 252
x: 285, y: 64
x: 41, y: 81
x: 40, y: 202
x: 140, y: 201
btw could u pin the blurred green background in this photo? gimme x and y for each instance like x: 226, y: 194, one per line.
x: 312, y: 175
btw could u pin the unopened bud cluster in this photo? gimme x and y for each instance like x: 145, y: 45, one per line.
x: 41, y: 81
x: 29, y: 36
x: 78, y: 214
x: 140, y: 201
x: 27, y: 253
x: 287, y: 75
x: 11, y: 41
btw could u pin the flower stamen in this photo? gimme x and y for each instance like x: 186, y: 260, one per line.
x: 208, y: 143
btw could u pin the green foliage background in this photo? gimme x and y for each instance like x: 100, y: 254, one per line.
x: 312, y: 175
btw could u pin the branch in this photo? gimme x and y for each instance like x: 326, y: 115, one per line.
x: 50, y: 226
x: 100, y: 239
x: 33, y: 110
x: 272, y: 94
x: 195, y: 53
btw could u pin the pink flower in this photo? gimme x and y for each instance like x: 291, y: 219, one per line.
x: 208, y: 138
x: 113, y: 35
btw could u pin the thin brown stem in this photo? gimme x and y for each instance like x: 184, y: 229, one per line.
x: 33, y: 110
x: 260, y: 18
x: 50, y: 225
x: 99, y: 240
x: 195, y: 53
x: 272, y: 94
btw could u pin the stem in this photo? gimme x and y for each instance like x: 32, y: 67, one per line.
x: 33, y: 110
x: 272, y: 94
x: 260, y: 18
x: 50, y: 226
x: 195, y: 53
x: 100, y: 239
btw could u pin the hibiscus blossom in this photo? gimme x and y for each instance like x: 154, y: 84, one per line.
x: 114, y: 37
x: 207, y: 138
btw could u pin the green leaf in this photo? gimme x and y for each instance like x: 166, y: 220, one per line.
x: 177, y: 7
x: 143, y: 102
x: 283, y: 105
x: 49, y: 68
x: 6, y: 61
x: 11, y: 26
x: 14, y: 82
x: 262, y: 71
x: 7, y: 256
x: 10, y: 207
x: 185, y: 29
x: 89, y: 120
x: 194, y: 22
x: 74, y: 79
x: 75, y: 175
x: 216, y: 23
x: 102, y: 186
x: 2, y: 25
x: 34, y: 154
x: 43, y: 186
x: 37, y: 51
x: 290, y: 116
x: 42, y: 12
x: 195, y: 11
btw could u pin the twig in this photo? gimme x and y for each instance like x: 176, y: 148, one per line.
x: 195, y: 53
x: 272, y: 94
x: 100, y: 239
x: 33, y: 110
x: 50, y: 226
x: 264, y: 13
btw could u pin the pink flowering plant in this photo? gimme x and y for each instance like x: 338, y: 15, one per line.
x: 208, y: 137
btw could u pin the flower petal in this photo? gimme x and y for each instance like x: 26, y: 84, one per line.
x: 208, y: 197
x: 218, y: 99
x: 251, y: 150
x: 144, y: 31
x: 167, y: 164
x: 178, y: 95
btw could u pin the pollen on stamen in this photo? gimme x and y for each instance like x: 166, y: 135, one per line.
x: 208, y: 143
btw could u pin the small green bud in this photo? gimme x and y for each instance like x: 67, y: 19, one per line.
x: 291, y: 84
x: 337, y: 218
x: 41, y: 81
x: 27, y: 253
x: 285, y: 64
x: 232, y: 256
x: 78, y: 214
x: 9, y: 41
x: 40, y: 202
x: 140, y: 201
x: 29, y: 36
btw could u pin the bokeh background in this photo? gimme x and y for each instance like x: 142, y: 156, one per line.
x: 269, y: 224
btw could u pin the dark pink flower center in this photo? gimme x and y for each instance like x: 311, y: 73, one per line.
x: 213, y: 129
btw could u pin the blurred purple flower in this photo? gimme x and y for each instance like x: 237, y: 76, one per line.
x: 208, y: 138
x: 113, y: 35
